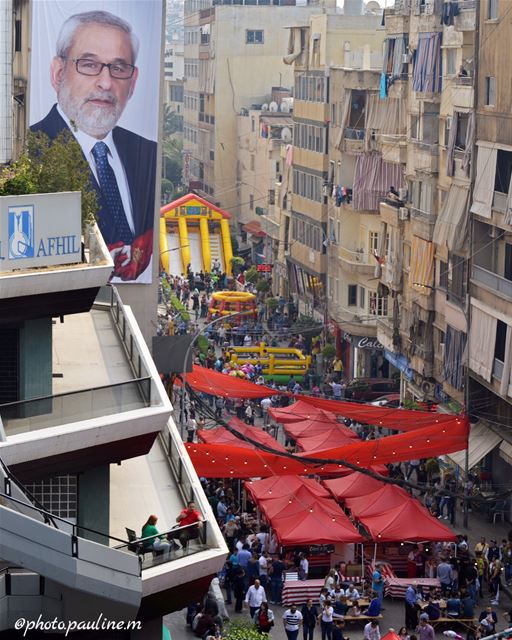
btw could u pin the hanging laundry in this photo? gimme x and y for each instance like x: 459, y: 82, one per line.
x: 383, y: 86
x: 339, y: 195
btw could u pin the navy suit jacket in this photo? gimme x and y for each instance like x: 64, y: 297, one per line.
x: 138, y: 156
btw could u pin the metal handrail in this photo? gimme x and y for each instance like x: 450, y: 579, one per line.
x: 71, y: 393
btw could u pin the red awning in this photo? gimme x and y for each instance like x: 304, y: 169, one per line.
x: 353, y: 485
x: 317, y: 427
x: 399, y: 419
x: 329, y: 439
x: 294, y: 502
x: 283, y: 487
x: 254, y: 228
x: 409, y: 521
x: 385, y: 498
x: 300, y: 411
x: 320, y: 526
x: 227, y: 386
x: 220, y: 435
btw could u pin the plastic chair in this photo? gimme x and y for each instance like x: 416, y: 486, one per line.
x: 499, y: 510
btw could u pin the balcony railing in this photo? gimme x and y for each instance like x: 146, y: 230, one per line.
x: 353, y: 134
x: 357, y: 257
x: 493, y: 281
x: 75, y: 406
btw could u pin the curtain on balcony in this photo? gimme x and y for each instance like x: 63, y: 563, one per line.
x: 450, y: 150
x: 454, y: 346
x: 483, y: 192
x: 427, y: 73
x: 372, y: 180
x: 421, y: 274
x: 451, y: 224
x: 384, y: 117
x: 482, y: 340
x: 347, y: 103
x: 392, y: 271
x: 470, y: 139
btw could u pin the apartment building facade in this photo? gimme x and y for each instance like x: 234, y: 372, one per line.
x: 233, y: 54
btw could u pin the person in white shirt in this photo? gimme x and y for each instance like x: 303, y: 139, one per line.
x: 191, y: 428
x: 372, y: 631
x: 292, y: 619
x: 255, y: 596
x: 352, y: 593
x: 264, y: 563
x: 303, y: 567
x: 265, y: 404
x: 326, y: 620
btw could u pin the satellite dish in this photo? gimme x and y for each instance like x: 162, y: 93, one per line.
x: 273, y: 106
x: 264, y: 107
x: 286, y: 134
x: 285, y: 107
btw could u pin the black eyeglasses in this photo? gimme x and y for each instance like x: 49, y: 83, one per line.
x: 88, y: 67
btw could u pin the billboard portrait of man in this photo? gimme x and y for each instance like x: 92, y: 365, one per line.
x: 94, y: 74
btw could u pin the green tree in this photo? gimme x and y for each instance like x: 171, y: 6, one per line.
x: 172, y: 167
x: 171, y: 122
x: 51, y: 166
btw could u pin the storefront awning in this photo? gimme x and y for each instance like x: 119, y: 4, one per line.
x: 482, y: 441
x: 506, y: 452
x: 254, y: 228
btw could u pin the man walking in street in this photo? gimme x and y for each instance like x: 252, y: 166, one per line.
x: 411, y: 610
x: 292, y: 619
x: 255, y: 596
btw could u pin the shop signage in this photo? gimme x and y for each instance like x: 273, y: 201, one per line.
x: 317, y: 549
x: 265, y: 268
x: 40, y: 230
x: 362, y: 342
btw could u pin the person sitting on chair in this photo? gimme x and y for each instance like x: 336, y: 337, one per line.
x: 189, y: 516
x: 158, y: 543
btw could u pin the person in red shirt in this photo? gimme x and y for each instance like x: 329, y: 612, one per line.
x: 190, y: 515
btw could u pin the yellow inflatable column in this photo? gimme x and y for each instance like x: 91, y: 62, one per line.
x: 184, y: 243
x: 205, y: 244
x: 164, y: 254
x: 226, y: 245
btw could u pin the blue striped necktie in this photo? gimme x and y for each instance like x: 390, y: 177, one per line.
x: 110, y: 191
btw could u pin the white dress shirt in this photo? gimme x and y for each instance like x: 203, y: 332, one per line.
x: 255, y: 597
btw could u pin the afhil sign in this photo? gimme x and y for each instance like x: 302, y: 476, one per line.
x: 40, y: 230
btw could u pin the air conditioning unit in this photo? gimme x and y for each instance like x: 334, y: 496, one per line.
x: 449, y: 123
x: 441, y: 350
x: 493, y: 232
x: 427, y: 388
x: 403, y: 213
x: 405, y: 58
x: 402, y: 194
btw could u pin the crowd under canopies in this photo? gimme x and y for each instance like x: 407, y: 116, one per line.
x: 300, y: 510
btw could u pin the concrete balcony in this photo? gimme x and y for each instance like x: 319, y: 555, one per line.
x: 463, y: 93
x: 385, y: 333
x: 396, y: 23
x: 354, y: 139
x: 423, y: 157
x: 422, y: 224
x: 393, y: 148
x: 389, y: 214
x: 355, y: 261
x: 492, y: 281
x: 466, y: 20
x: 106, y: 404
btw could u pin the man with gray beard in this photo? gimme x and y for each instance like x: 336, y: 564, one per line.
x: 94, y: 75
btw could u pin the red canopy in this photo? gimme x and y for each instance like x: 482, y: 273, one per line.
x: 314, y: 427
x: 321, y: 441
x: 385, y: 498
x: 220, y: 435
x: 299, y: 411
x: 318, y: 526
x: 355, y: 484
x: 297, y: 501
x: 410, y: 521
x: 399, y: 419
x: 221, y: 384
x: 216, y: 461
x: 283, y: 487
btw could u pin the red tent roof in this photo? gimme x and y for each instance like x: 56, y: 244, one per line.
x: 187, y: 198
x: 322, y: 527
x: 385, y: 498
x: 400, y: 419
x: 221, y: 384
x: 353, y: 485
x: 283, y: 486
x: 409, y: 521
x: 220, y: 435
x: 327, y: 440
x: 314, y: 427
x: 302, y: 498
x: 299, y: 411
